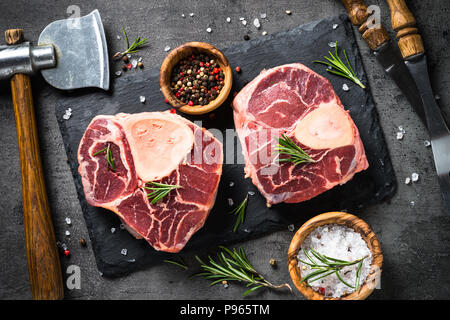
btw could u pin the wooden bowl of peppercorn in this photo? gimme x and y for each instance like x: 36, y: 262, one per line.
x: 195, y: 78
x: 343, y: 219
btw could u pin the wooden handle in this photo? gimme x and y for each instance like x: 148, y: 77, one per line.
x: 357, y: 11
x: 409, y: 39
x: 42, y: 253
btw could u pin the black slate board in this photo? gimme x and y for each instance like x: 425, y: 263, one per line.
x: 302, y: 44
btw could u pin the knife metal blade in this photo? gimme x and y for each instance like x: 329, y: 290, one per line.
x: 389, y: 58
x: 439, y: 132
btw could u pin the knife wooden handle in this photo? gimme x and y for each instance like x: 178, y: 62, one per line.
x: 357, y: 11
x: 42, y: 253
x: 409, y: 39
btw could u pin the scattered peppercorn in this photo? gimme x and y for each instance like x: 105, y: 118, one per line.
x: 246, y: 37
x: 125, y: 58
x: 197, y: 80
x: 273, y: 262
x: 124, y: 67
x: 83, y: 242
x: 129, y: 66
x: 140, y: 64
x: 238, y: 69
x: 173, y: 111
x: 66, y: 252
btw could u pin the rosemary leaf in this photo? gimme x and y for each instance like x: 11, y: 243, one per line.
x: 109, y: 158
x: 159, y: 190
x: 296, y: 154
x: 240, y: 212
x: 180, y: 263
x: 340, y: 69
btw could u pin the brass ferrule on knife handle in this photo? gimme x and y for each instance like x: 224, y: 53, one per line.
x: 358, y: 12
x: 403, y: 22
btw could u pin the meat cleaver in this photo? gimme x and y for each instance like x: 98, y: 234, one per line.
x: 70, y: 54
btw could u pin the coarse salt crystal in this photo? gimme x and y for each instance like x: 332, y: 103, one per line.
x: 230, y: 202
x: 332, y: 44
x: 118, y: 73
x: 113, y: 230
x: 118, y: 37
x: 67, y: 233
x: 401, y: 129
x: 191, y: 14
x: 412, y: 203
x: 122, y: 226
x: 252, y: 193
x: 244, y: 22
x: 427, y: 143
x: 345, y: 87
x: 338, y: 242
x: 399, y: 135
x: 142, y: 99
x: 414, y: 177
x: 408, y: 180
x: 241, y: 19
x: 208, y: 30
x: 231, y: 183
x: 256, y: 23
x: 228, y: 19
x: 183, y: 15
x: 124, y: 252
x: 335, y: 26
x: 291, y: 227
x: 263, y: 15
x: 264, y: 33
x: 166, y: 48
x: 68, y: 221
x: 134, y: 63
x: 288, y: 12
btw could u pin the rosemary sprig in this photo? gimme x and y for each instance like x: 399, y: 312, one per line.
x: 324, y: 266
x: 340, y: 68
x: 180, y: 263
x: 233, y: 265
x: 296, y: 154
x: 134, y: 47
x: 109, y: 158
x: 159, y: 190
x: 240, y: 212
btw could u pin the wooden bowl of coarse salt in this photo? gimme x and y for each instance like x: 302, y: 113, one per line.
x: 221, y: 92
x: 342, y: 242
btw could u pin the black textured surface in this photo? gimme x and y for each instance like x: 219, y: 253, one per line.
x: 302, y: 44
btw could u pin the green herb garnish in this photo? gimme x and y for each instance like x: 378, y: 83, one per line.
x: 109, y: 158
x: 233, y: 265
x: 240, y: 212
x: 159, y: 190
x: 340, y: 68
x: 324, y: 266
x: 180, y: 263
x: 134, y: 47
x: 296, y: 154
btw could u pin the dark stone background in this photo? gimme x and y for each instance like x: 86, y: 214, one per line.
x: 415, y: 238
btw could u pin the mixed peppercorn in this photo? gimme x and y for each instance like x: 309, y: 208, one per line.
x: 197, y: 80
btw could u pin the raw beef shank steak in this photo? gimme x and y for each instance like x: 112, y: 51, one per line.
x: 293, y: 100
x: 121, y: 155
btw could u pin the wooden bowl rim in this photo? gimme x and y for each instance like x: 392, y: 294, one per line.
x: 344, y: 219
x: 177, y: 54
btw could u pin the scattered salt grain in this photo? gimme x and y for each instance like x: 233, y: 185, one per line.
x: 399, y: 135
x: 131, y: 260
x: 68, y: 221
x: 256, y: 23
x: 291, y: 227
x: 166, y: 48
x: 67, y: 233
x: 124, y: 252
x: 208, y: 30
x: 230, y: 202
x: 191, y: 14
x: 122, y: 226
x: 134, y: 63
x: 228, y: 19
x: 427, y: 143
x: 67, y: 114
x: 264, y: 33
x: 437, y: 97
x: 407, y: 180
x: 128, y: 55
x: 140, y: 59
x: 288, y: 12
x: 113, y: 230
x: 332, y: 44
x: 252, y: 193
x: 183, y: 15
x: 244, y: 22
x: 345, y: 87
x: 142, y: 99
x: 414, y: 177
x: 241, y: 19
x: 412, y: 203
x: 335, y: 26
x: 338, y: 242
x: 231, y: 183
x: 263, y: 15
x: 401, y: 129
x: 118, y: 37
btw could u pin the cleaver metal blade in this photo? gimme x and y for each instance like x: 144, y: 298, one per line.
x: 81, y: 53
